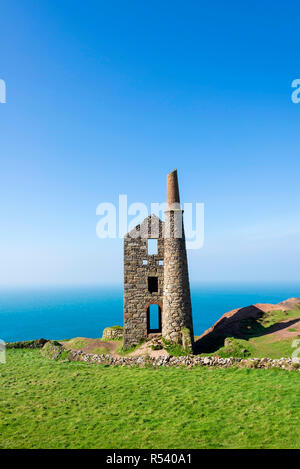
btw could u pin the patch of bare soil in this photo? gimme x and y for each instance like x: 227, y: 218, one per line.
x: 289, y: 304
x: 92, y: 345
x: 287, y: 329
x: 146, y: 349
x: 99, y: 346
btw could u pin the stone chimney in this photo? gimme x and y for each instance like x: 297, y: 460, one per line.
x: 177, y: 308
x: 172, y: 189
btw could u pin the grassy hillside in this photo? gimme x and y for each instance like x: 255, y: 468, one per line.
x: 55, y: 404
x: 272, y: 335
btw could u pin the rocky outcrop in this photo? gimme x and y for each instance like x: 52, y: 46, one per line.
x: 289, y: 304
x: 236, y: 322
x: 27, y: 344
x: 113, y: 333
x: 53, y: 350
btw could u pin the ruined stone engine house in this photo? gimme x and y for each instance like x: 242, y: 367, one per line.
x: 156, y: 282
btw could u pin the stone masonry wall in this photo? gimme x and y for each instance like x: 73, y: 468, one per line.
x: 55, y: 350
x: 112, y: 333
x: 176, y: 299
x: 137, y: 298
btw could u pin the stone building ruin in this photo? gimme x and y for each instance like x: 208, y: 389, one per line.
x: 156, y: 282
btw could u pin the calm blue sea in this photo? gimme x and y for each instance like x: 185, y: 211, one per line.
x: 62, y: 313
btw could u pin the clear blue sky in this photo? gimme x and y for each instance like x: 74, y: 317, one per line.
x: 107, y: 97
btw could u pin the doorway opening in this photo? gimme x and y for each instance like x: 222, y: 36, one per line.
x: 153, y: 319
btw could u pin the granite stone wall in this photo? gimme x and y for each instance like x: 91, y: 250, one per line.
x: 138, y: 267
x: 176, y: 295
x: 170, y: 267
x: 55, y: 351
x: 112, y: 333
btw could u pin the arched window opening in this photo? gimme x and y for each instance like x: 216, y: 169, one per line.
x: 154, y: 319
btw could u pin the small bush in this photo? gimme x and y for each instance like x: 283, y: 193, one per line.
x: 127, y: 351
x: 157, y: 347
x: 237, y: 348
x: 176, y: 350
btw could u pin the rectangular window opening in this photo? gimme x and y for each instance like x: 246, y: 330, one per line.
x: 160, y: 262
x: 145, y: 262
x: 152, y: 247
x: 153, y: 284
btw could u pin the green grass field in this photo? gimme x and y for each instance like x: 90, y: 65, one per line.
x: 56, y: 404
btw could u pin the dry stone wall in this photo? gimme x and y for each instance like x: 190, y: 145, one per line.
x: 187, y: 361
x: 54, y: 350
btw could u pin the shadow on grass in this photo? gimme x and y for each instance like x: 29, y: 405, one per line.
x: 245, y: 323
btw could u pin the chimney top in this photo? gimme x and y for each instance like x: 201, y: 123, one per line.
x: 172, y: 188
